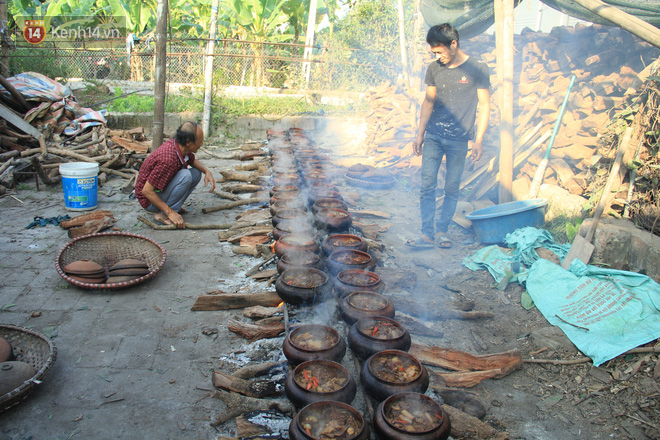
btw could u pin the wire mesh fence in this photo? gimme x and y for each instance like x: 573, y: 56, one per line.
x: 235, y: 63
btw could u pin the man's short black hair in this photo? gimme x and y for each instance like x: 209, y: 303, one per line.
x: 442, y: 34
x: 186, y: 133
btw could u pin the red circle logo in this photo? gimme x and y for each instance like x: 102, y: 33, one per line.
x: 34, y: 32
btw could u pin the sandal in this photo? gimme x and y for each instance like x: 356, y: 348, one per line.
x: 443, y: 242
x: 419, y: 243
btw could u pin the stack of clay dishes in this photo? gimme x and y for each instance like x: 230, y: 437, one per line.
x: 126, y: 270
x: 85, y: 271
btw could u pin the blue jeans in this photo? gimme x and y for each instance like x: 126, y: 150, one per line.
x: 435, y: 147
x: 179, y: 189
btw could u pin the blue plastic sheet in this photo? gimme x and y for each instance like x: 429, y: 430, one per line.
x: 604, y: 312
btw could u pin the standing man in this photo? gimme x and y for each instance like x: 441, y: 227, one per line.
x: 456, y: 86
x: 165, y: 181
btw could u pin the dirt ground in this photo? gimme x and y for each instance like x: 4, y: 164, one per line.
x: 137, y: 363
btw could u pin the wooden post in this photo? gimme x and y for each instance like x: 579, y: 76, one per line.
x: 309, y: 40
x: 208, y: 70
x: 4, y: 39
x: 402, y: 42
x: 632, y: 24
x: 161, y: 74
x: 504, y: 48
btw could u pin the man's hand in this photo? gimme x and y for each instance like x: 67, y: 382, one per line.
x: 417, y: 145
x: 210, y: 180
x: 477, y: 151
x: 176, y: 219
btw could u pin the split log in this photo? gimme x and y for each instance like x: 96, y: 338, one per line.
x: 41, y: 172
x: 225, y: 195
x: 80, y: 220
x: 412, y: 308
x: 10, y: 163
x: 248, y: 166
x: 264, y: 274
x: 7, y: 177
x: 91, y: 227
x: 239, y: 177
x: 245, y: 188
x: 417, y: 328
x: 138, y: 147
x: 213, y: 301
x: 465, y: 426
x: 254, y: 332
x: 370, y: 231
x: 250, y: 232
x: 456, y: 360
x: 466, y: 401
x: 258, y: 388
x: 246, y: 250
x: 463, y: 379
x: 237, y: 405
x: 257, y: 425
x: 249, y: 155
x: 231, y: 205
x: 397, y: 278
x: 153, y: 225
x: 260, y: 312
x: 251, y: 371
x: 368, y: 213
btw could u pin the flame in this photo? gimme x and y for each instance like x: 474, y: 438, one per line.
x: 272, y: 247
x: 280, y: 304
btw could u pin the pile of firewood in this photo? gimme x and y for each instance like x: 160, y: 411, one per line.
x: 608, y: 63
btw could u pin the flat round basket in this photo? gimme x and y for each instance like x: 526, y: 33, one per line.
x: 33, y: 348
x: 107, y: 249
x: 380, y: 183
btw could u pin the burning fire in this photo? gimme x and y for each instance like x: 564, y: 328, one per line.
x: 280, y: 304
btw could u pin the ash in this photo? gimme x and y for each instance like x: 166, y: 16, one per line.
x: 275, y: 422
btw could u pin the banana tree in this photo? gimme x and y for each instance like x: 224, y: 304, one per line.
x: 257, y: 21
x: 140, y: 15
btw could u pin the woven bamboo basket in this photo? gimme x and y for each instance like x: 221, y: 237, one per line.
x: 108, y: 248
x: 33, y: 348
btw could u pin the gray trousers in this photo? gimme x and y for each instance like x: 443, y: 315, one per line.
x: 179, y: 189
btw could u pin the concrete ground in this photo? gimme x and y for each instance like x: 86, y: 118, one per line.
x: 128, y: 361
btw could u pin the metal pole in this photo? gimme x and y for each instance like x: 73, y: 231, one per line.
x: 161, y: 74
x: 402, y: 42
x: 208, y: 70
x: 4, y: 37
x: 504, y: 48
x: 309, y: 40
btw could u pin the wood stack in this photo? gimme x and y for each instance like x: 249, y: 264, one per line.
x: 608, y: 63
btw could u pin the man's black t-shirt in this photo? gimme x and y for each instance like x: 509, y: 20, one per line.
x: 455, y: 107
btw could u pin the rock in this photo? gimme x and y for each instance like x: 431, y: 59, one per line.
x: 561, y: 202
x: 621, y: 245
x: 553, y: 338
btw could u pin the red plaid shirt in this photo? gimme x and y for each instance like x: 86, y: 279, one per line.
x: 159, y: 168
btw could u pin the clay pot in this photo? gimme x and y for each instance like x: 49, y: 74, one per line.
x: 309, y: 342
x: 336, y: 242
x: 291, y: 243
x: 304, y: 259
x: 13, y: 374
x: 286, y: 179
x: 300, y: 285
x: 387, y: 423
x: 333, y: 219
x: 277, y: 189
x: 347, y: 259
x: 287, y: 205
x: 291, y: 214
x: 381, y: 376
x: 315, y: 195
x: 316, y: 176
x: 310, y: 382
x: 328, y: 203
x: 389, y: 335
x: 315, y: 416
x: 354, y: 280
x: 84, y: 269
x: 286, y: 227
x: 365, y: 304
x: 6, y: 352
x: 279, y: 196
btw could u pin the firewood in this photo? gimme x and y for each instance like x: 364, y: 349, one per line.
x: 225, y: 195
x: 451, y: 359
x: 80, y: 220
x: 264, y: 274
x: 91, y: 227
x: 254, y: 332
x: 440, y: 312
x: 157, y: 227
x: 259, y: 389
x: 231, y: 205
x: 260, y: 312
x: 213, y: 301
x: 245, y: 188
x: 417, y: 328
x: 7, y: 177
x: 250, y: 232
x: 370, y: 231
x: 258, y: 425
x: 237, y: 404
x: 252, y: 371
x: 398, y: 278
x: 246, y: 250
x: 467, y: 401
x: 249, y: 155
x: 369, y: 213
x: 269, y: 321
x: 238, y: 177
x: 466, y: 426
x: 463, y: 379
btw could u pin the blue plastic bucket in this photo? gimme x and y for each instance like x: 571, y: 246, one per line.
x: 493, y: 223
x: 80, y: 185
